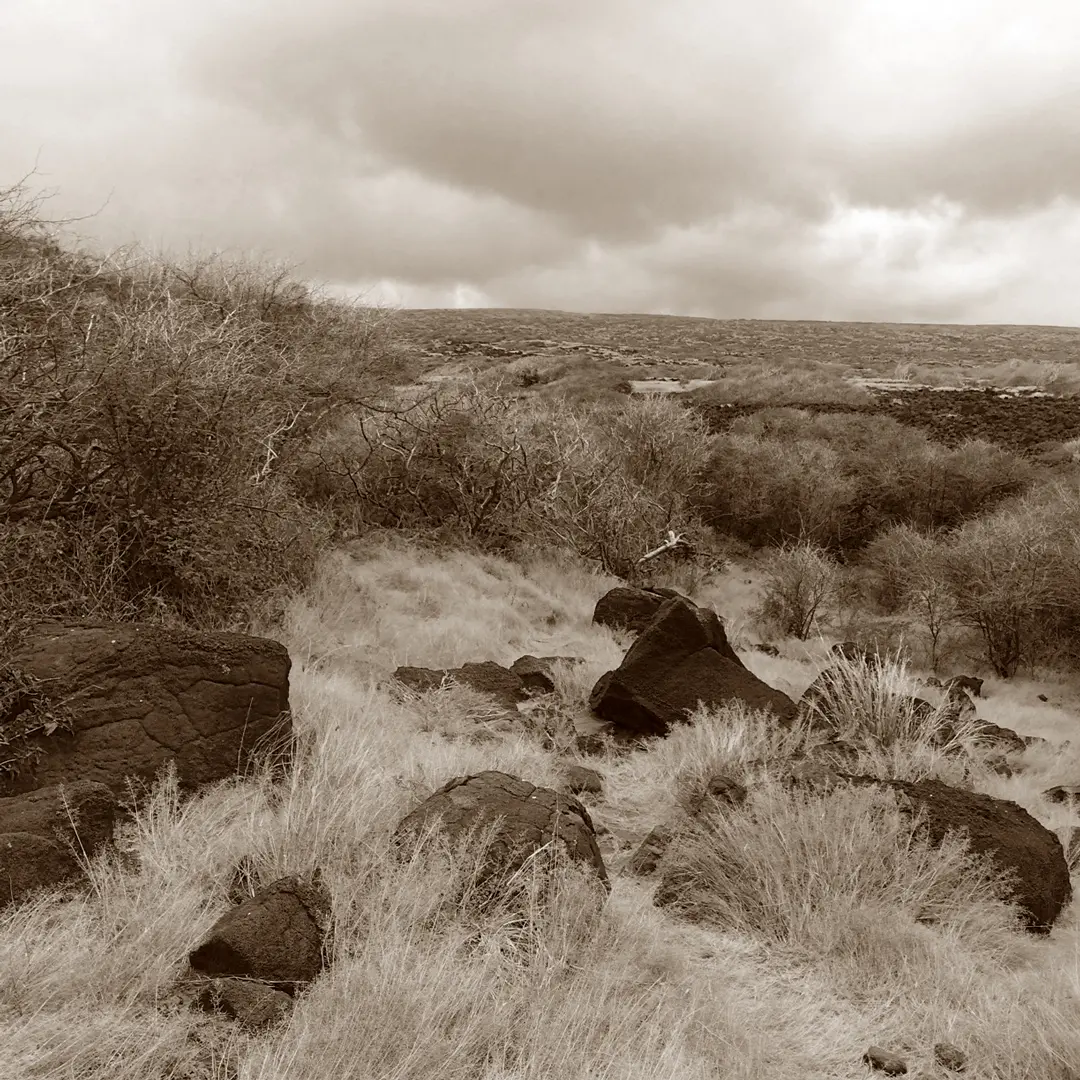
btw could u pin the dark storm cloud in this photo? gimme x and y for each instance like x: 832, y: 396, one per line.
x: 617, y: 116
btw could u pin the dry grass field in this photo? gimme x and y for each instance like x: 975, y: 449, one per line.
x: 813, y: 953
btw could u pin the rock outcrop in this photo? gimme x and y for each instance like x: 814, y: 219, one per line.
x: 43, y: 832
x: 140, y: 696
x: 625, y: 608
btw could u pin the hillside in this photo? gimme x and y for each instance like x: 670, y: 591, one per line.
x: 946, y: 380
x: 649, y: 340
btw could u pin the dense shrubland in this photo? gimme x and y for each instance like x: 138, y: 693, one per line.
x: 1011, y: 578
x: 836, y: 480
x: 601, y: 480
x: 150, y: 414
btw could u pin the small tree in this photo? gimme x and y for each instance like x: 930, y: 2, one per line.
x: 799, y: 579
x: 1006, y: 577
x: 909, y: 577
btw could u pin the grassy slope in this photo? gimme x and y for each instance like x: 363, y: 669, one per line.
x: 85, y: 985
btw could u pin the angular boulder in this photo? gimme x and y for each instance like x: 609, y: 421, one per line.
x: 579, y: 779
x: 277, y: 937
x: 1069, y: 794
x: 139, y: 696
x: 494, y: 680
x: 1006, y: 833
x: 41, y: 831
x: 855, y: 651
x: 531, y: 818
x: 626, y: 608
x: 650, y: 851
x: 1001, y: 831
x: 681, y: 658
x: 814, y: 704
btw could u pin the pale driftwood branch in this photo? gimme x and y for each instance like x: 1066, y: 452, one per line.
x: 262, y: 472
x: 673, y: 541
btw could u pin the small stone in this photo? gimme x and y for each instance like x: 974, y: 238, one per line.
x: 889, y: 1064
x: 645, y: 860
x: 578, y: 779
x: 252, y: 1004
x: 950, y: 1056
x: 1063, y: 793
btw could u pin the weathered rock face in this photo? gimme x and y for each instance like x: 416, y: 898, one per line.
x: 682, y: 658
x: 503, y: 685
x: 1003, y: 831
x: 277, y: 937
x: 253, y: 1005
x: 1006, y: 834
x: 35, y: 830
x: 141, y: 696
x: 855, y: 651
x: 578, y: 779
x: 531, y: 818
x: 625, y: 608
x: 1069, y: 794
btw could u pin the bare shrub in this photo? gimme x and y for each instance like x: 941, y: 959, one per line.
x: 449, y: 458
x: 907, y: 575
x: 1013, y: 578
x: 798, y: 580
x: 620, y: 476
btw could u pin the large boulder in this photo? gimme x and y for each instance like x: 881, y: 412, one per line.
x: 254, y: 1005
x: 139, y: 696
x: 856, y: 652
x: 581, y: 780
x: 999, y: 829
x: 40, y: 833
x: 530, y: 817
x: 681, y: 659
x: 625, y: 608
x: 277, y: 937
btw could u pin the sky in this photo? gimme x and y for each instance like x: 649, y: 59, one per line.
x: 884, y: 160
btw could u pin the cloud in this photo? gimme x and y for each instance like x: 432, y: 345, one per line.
x: 785, y: 159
